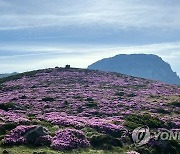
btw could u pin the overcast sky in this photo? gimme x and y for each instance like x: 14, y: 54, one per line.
x: 47, y: 33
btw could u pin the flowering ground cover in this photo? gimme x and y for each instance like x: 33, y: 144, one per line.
x: 83, y: 110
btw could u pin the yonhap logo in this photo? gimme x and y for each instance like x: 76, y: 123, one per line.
x: 141, y: 135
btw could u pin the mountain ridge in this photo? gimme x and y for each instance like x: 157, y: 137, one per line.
x: 147, y: 66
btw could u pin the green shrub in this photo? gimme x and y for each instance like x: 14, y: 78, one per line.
x: 105, y: 141
x: 48, y: 99
x: 166, y: 147
x: 66, y: 103
x: 175, y: 144
x: 31, y: 116
x: 162, y: 111
x: 79, y: 109
x: 7, y: 106
x: 77, y: 97
x: 89, y: 99
x: 131, y: 95
x: 89, y: 132
x: 23, y: 97
x: 7, y: 127
x: 91, y: 103
x: 121, y: 93
x: 133, y: 121
x: 176, y: 103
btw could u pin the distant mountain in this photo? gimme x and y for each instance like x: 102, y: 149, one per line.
x: 7, y: 74
x: 139, y: 65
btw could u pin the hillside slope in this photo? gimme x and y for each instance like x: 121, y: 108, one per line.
x: 92, y: 102
x: 7, y: 74
x: 139, y: 65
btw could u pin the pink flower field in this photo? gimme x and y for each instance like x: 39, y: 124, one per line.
x: 70, y: 110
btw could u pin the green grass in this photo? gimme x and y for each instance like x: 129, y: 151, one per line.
x: 89, y: 132
x: 29, y: 150
x: 25, y: 149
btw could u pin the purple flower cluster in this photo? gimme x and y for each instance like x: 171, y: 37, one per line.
x: 19, y: 136
x: 16, y: 136
x: 71, y: 88
x: 63, y: 120
x: 101, y: 125
x: 105, y: 127
x: 69, y: 139
x: 10, y: 116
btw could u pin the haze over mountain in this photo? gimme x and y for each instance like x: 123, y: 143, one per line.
x: 7, y: 74
x: 147, y: 66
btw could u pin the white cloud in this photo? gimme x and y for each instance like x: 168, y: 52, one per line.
x: 120, y: 14
x: 144, y: 15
